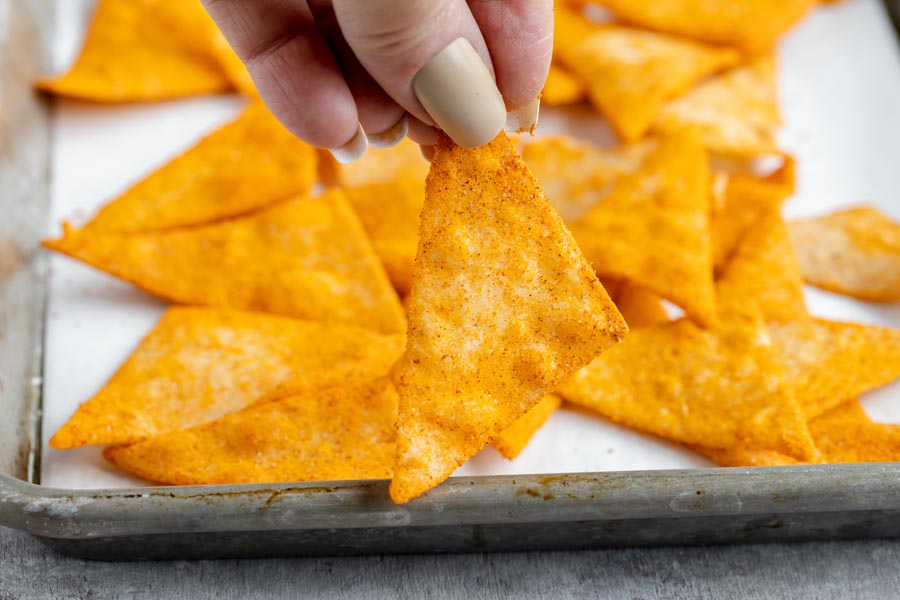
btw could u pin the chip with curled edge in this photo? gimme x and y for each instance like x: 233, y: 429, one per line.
x: 199, y: 364
x: 344, y: 431
x: 139, y: 50
x: 307, y: 258
x: 503, y: 307
x: 515, y: 438
x: 854, y: 252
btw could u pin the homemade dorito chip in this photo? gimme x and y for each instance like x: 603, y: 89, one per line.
x: 576, y: 175
x: 562, y: 88
x: 341, y: 432
x: 631, y: 73
x: 854, y: 252
x: 307, y: 258
x: 389, y: 213
x: 199, y: 364
x: 503, y: 306
x: 143, y: 50
x: 514, y: 438
x: 248, y: 164
x: 653, y: 228
x: 736, y: 112
x: 752, y: 25
x: 846, y: 434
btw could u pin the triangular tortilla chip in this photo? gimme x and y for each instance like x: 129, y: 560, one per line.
x: 570, y: 28
x: 737, y: 112
x: 854, y: 252
x: 830, y: 361
x: 503, y: 306
x: 139, y: 50
x: 307, y: 258
x: 389, y: 213
x: 653, y: 228
x: 248, y: 164
x: 765, y: 268
x: 576, y: 175
x: 740, y: 199
x: 200, y: 364
x: 562, y: 87
x: 514, y: 438
x: 752, y: 25
x: 631, y: 73
x: 343, y: 432
x: 639, y: 307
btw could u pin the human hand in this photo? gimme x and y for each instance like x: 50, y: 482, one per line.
x: 343, y: 74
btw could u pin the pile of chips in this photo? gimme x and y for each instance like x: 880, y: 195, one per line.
x: 388, y: 319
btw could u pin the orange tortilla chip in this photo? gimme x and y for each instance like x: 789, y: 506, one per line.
x: 562, y: 88
x: 653, y: 228
x: 830, y: 361
x: 343, y: 432
x: 248, y: 164
x: 200, y: 364
x: 737, y: 112
x: 765, y: 268
x: 389, y: 213
x: 740, y: 199
x: 384, y: 166
x: 514, y: 438
x: 855, y: 252
x: 307, y: 258
x: 639, y: 307
x: 138, y: 50
x: 570, y: 28
x: 846, y: 434
x: 752, y: 25
x: 631, y: 74
x: 503, y: 307
x: 576, y: 175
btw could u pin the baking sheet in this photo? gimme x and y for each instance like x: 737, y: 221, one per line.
x: 840, y: 95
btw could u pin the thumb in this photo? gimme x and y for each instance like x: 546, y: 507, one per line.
x: 431, y: 58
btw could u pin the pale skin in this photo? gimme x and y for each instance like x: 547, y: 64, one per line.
x: 324, y: 67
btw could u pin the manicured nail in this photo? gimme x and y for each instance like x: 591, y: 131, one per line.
x: 352, y: 150
x: 392, y: 136
x: 524, y: 118
x: 459, y: 93
x: 427, y: 152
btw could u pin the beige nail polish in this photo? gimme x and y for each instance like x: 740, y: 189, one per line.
x: 459, y: 93
x: 392, y: 136
x: 352, y: 150
x: 524, y: 118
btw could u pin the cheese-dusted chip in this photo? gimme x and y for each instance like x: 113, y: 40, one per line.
x: 562, y: 87
x: 570, y: 28
x: 653, y: 228
x: 389, y: 213
x: 199, y: 364
x: 514, y: 438
x: 576, y: 175
x: 385, y: 165
x: 248, y: 164
x: 342, y: 432
x: 717, y: 387
x: 639, y: 307
x: 737, y: 111
x: 854, y: 252
x: 752, y: 25
x: 143, y: 50
x: 230, y: 64
x: 503, y: 306
x: 307, y: 258
x: 846, y: 434
x: 830, y: 361
x: 765, y: 268
x: 740, y: 199
x: 631, y: 73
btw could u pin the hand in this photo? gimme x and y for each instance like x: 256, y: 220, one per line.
x: 341, y: 74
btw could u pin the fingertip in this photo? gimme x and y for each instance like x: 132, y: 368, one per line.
x: 422, y: 134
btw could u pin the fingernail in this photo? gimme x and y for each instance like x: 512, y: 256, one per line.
x: 392, y: 136
x: 524, y: 118
x: 459, y: 93
x: 352, y: 150
x: 427, y: 152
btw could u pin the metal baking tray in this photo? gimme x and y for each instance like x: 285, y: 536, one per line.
x: 464, y: 514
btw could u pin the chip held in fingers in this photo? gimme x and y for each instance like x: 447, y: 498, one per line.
x: 503, y: 307
x: 307, y: 258
x: 200, y: 364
